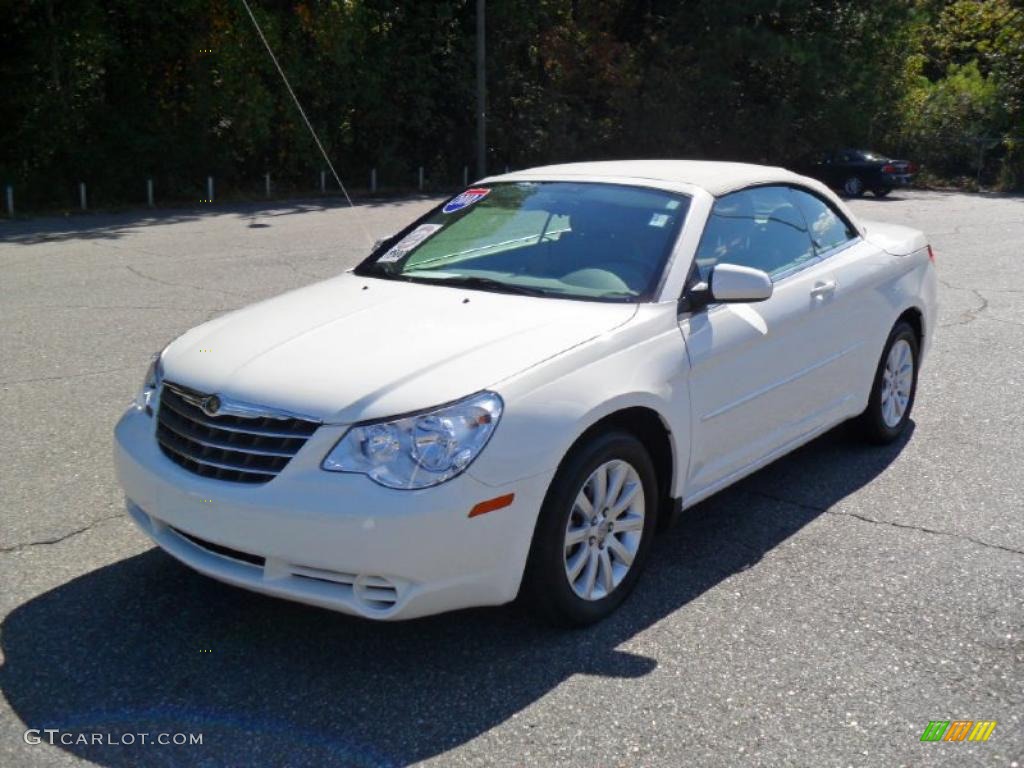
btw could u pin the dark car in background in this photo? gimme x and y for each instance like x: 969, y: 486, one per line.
x: 854, y: 171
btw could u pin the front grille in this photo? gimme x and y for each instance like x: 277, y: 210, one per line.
x: 240, y: 449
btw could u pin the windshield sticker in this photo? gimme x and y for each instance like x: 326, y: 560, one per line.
x: 659, y: 219
x: 672, y: 204
x: 410, y: 241
x: 466, y: 199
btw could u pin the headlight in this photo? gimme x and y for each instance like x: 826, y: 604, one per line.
x: 154, y: 375
x: 421, y: 450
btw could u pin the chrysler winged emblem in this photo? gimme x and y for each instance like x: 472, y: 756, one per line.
x: 210, y: 405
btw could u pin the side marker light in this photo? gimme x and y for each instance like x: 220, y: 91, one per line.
x: 490, y: 505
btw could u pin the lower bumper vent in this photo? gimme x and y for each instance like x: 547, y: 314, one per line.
x: 376, y: 593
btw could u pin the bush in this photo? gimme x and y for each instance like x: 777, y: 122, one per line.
x: 947, y: 124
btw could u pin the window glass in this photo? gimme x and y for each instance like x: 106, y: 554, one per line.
x: 566, y: 239
x: 827, y: 227
x: 759, y: 228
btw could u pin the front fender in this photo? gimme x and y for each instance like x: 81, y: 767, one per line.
x: 547, y: 408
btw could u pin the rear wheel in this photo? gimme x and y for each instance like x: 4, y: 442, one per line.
x: 881, y: 191
x: 895, y: 385
x: 853, y: 186
x: 593, y: 533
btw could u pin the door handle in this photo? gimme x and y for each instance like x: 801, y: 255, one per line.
x: 824, y: 289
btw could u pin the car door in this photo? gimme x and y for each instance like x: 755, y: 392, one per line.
x: 830, y: 169
x: 758, y: 371
x: 858, y: 316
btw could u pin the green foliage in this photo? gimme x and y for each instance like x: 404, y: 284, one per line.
x: 952, y: 121
x: 962, y: 109
x: 113, y: 92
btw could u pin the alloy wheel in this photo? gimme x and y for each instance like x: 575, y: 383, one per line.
x: 603, y: 534
x: 897, y: 382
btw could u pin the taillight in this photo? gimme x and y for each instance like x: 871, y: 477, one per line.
x: 931, y: 254
x: 888, y: 169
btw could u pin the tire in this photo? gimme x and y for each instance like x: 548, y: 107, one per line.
x: 883, y: 421
x: 547, y: 593
x: 881, y: 191
x: 853, y: 187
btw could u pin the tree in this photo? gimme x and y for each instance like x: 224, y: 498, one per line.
x: 112, y: 92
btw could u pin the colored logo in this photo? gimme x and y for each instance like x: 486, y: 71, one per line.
x: 466, y: 199
x: 958, y: 730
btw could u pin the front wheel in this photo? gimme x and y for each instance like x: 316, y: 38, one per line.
x: 894, y: 387
x: 881, y: 191
x: 853, y: 186
x: 593, y: 533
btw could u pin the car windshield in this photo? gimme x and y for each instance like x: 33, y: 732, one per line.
x: 602, y: 242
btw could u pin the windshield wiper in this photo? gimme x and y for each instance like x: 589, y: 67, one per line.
x: 618, y: 295
x: 483, y: 283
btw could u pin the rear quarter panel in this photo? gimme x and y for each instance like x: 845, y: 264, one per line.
x: 895, y: 275
x: 894, y: 238
x: 909, y: 247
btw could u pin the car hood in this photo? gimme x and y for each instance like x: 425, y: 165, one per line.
x: 353, y: 348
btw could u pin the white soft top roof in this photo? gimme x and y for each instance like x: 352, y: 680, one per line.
x: 718, y: 178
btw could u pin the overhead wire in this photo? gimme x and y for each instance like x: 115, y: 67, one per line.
x: 309, y: 125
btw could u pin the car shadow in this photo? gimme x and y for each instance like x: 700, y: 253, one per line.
x: 890, y: 198
x: 147, y: 646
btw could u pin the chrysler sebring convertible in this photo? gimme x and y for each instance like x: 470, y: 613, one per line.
x: 509, y: 398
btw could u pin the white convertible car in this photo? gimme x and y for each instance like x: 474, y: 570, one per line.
x: 507, y: 397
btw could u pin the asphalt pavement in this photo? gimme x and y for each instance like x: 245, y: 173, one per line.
x: 821, y: 612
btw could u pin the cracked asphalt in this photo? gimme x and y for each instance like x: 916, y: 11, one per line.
x: 819, y: 613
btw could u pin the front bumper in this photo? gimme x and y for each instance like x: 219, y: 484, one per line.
x: 338, y: 541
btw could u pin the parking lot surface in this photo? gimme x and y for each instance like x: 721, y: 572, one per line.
x: 821, y: 612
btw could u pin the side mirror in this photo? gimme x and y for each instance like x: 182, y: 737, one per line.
x: 733, y: 283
